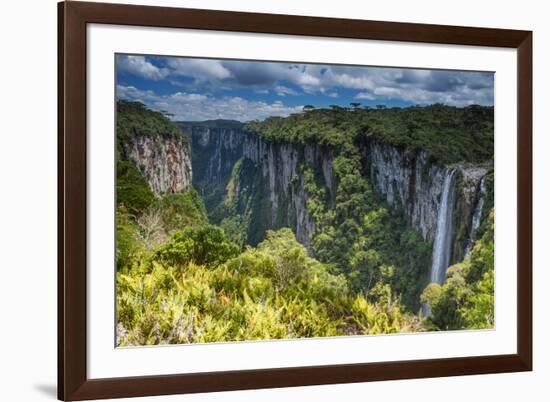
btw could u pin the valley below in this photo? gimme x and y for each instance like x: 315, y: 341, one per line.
x: 329, y: 222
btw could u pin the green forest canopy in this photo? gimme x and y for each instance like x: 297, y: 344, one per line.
x: 449, y: 134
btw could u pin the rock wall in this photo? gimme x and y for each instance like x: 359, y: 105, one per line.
x: 280, y: 168
x: 408, y: 182
x: 413, y: 183
x: 470, y: 205
x: 215, y: 152
x: 164, y: 160
x: 271, y: 183
x: 269, y: 186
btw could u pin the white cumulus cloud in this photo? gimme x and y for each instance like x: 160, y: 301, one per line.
x: 416, y: 86
x: 200, y: 69
x: 192, y: 106
x: 281, y: 90
x: 138, y: 65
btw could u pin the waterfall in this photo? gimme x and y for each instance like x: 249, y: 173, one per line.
x: 441, y: 256
x: 476, y: 218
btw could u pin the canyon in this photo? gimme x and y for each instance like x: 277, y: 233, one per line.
x: 413, y: 184
x: 239, y: 173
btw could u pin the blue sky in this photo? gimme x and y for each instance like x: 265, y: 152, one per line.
x: 203, y: 89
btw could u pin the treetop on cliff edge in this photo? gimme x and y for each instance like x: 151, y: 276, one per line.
x: 136, y: 118
x: 449, y: 134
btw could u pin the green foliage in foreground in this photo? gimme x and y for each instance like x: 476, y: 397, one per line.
x: 449, y: 134
x: 466, y: 299
x: 140, y: 230
x: 182, y: 210
x: 128, y: 243
x: 205, y: 245
x: 132, y: 190
x: 273, y: 291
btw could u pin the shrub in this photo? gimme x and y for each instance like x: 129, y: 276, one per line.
x: 128, y: 245
x: 252, y: 296
x: 181, y: 210
x: 466, y: 299
x: 205, y: 245
x: 132, y: 190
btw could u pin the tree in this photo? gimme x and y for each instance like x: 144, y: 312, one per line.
x: 128, y: 245
x: 206, y: 245
x: 133, y: 190
x: 355, y: 105
x: 152, y: 231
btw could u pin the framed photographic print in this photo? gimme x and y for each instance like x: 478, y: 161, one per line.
x: 253, y: 200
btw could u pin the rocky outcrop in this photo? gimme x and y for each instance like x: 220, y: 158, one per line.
x: 164, y: 160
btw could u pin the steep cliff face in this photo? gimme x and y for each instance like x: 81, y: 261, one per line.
x: 408, y: 182
x: 283, y: 159
x: 280, y: 171
x: 268, y: 186
x: 215, y: 152
x: 164, y: 160
x: 414, y: 184
x: 471, y: 203
x: 269, y: 190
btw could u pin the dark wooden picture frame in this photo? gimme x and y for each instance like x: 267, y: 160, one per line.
x: 73, y: 383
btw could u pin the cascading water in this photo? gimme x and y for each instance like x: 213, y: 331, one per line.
x: 441, y: 255
x: 476, y: 217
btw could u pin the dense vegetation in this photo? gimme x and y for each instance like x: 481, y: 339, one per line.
x: 196, y: 288
x: 466, y: 299
x: 145, y: 219
x: 363, y: 238
x: 355, y: 233
x: 448, y: 134
x: 182, y: 279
